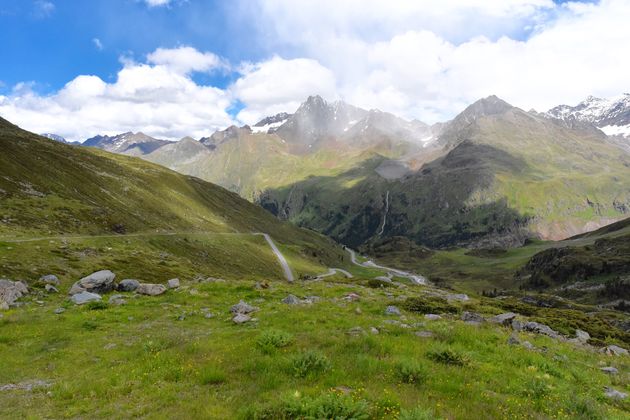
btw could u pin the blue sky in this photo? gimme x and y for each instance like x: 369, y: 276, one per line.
x: 79, y: 68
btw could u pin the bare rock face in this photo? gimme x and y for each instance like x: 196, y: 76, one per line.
x: 151, y: 289
x: 11, y: 291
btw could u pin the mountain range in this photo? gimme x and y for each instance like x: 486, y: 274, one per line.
x: 495, y: 175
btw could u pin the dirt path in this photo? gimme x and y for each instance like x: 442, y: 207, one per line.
x: 288, y: 274
x: 415, y: 278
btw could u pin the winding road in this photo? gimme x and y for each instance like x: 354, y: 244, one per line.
x: 380, y: 232
x: 415, y: 278
x: 288, y: 274
x: 333, y: 271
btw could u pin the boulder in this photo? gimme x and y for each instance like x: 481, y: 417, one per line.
x: 173, y: 283
x: 374, y: 330
x: 424, y: 334
x: 392, y: 310
x: 472, y: 317
x: 613, y: 350
x: 243, y: 307
x: 117, y: 300
x: 514, y: 340
x: 128, y: 285
x: 241, y: 318
x: 538, y: 328
x: 609, y: 370
x: 351, y: 297
x: 356, y: 331
x: 582, y: 336
x: 51, y: 289
x: 10, y: 291
x: 458, y: 296
x: 503, y: 319
x: 98, y: 282
x: 150, y: 289
x: 432, y: 317
x: 59, y: 311
x: 291, y: 300
x: 528, y: 345
x: 85, y: 297
x: 614, y: 394
x: 517, y: 325
x: 49, y: 279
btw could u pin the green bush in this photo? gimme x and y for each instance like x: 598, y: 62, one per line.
x: 426, y: 305
x: 411, y: 372
x: 417, y: 414
x: 271, y: 340
x: 448, y: 357
x: 97, y: 305
x: 309, y: 363
x: 211, y: 375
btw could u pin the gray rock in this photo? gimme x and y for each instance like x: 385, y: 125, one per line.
x: 613, y: 350
x: 614, y: 394
x: 472, y: 317
x: 4, y: 306
x: 392, y: 310
x: 150, y: 289
x: 458, y: 296
x: 424, y: 334
x: 351, y: 297
x: 609, y: 370
x: 25, y: 386
x: 98, y: 282
x: 11, y: 291
x: 528, y: 345
x: 514, y: 340
x: 312, y: 299
x: 85, y: 297
x: 291, y: 300
x: 76, y: 288
x: 51, y: 289
x: 582, y: 336
x: 374, y: 330
x: 173, y: 283
x: 59, y: 311
x: 241, y: 318
x: 503, y: 319
x: 128, y: 285
x: 49, y: 279
x: 517, y: 325
x: 354, y: 331
x: 117, y: 300
x: 432, y: 317
x: 538, y: 328
x: 243, y: 308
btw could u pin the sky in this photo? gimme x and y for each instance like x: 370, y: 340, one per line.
x: 173, y: 68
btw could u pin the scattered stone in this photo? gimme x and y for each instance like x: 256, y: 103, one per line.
x: 392, y: 310
x: 98, y: 282
x: 614, y: 394
x: 128, y: 285
x: 560, y: 358
x: 458, y: 296
x: 59, y: 311
x: 472, y: 318
x: 354, y: 331
x: 374, y: 330
x: 291, y: 300
x: 538, y: 328
x: 517, y: 325
x: 358, y: 311
x: 609, y: 370
x: 85, y: 297
x: 173, y: 283
x: 432, y: 317
x: 424, y: 334
x: 312, y: 299
x: 151, y: 289
x: 241, y: 318
x: 117, y: 300
x: 582, y: 336
x: 528, y: 345
x: 25, y: 386
x: 351, y: 297
x: 513, y: 340
x: 613, y: 350
x: 243, y: 308
x: 51, y: 289
x: 11, y: 291
x: 208, y: 315
x: 49, y: 279
x: 109, y: 346
x: 503, y: 319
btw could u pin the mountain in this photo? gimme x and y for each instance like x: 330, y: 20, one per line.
x: 50, y: 188
x: 269, y: 125
x: 132, y: 144
x: 495, y: 176
x: 612, y: 116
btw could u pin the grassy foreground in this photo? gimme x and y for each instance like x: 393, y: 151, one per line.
x: 167, y: 357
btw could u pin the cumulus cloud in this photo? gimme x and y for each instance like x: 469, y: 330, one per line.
x: 158, y: 99
x: 186, y: 60
x: 278, y: 85
x: 157, y: 3
x: 43, y: 8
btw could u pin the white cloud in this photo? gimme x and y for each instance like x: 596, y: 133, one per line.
x: 278, y: 85
x: 157, y: 99
x: 186, y: 60
x: 157, y: 3
x: 98, y: 44
x: 43, y: 8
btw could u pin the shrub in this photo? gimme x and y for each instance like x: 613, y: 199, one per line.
x: 417, y: 414
x: 271, y: 340
x: 411, y: 372
x: 327, y: 406
x: 448, y: 357
x: 426, y: 305
x: 211, y: 375
x: 309, y: 363
x: 97, y: 305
